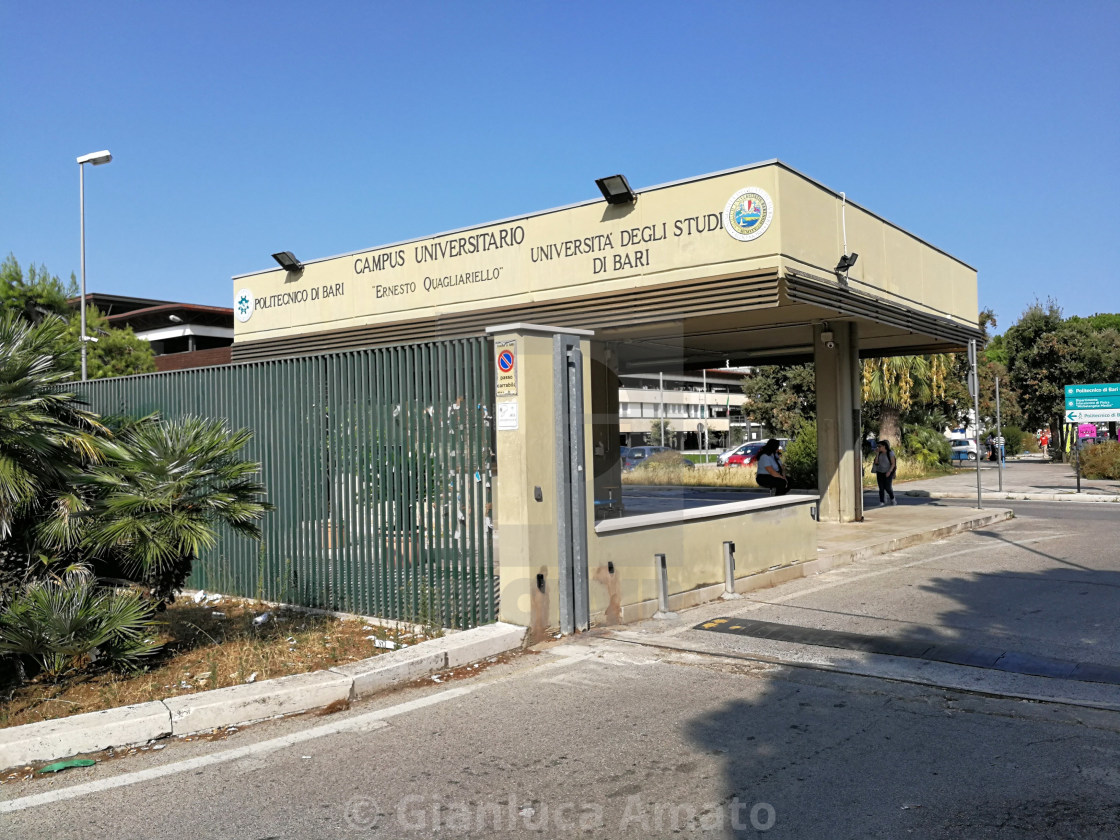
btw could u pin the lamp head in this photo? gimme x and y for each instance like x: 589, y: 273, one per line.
x: 96, y: 158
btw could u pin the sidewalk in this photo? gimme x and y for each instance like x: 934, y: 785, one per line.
x: 1026, y: 480
x: 883, y: 530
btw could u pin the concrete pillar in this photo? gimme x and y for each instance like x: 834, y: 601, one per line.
x: 838, y: 384
x: 526, y: 526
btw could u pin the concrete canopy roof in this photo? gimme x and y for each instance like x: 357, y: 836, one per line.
x: 669, y: 277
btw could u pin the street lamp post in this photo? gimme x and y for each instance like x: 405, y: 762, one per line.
x: 96, y: 158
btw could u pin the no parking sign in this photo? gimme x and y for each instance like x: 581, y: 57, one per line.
x: 506, y: 364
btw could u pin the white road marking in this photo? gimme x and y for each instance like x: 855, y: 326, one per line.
x: 362, y: 723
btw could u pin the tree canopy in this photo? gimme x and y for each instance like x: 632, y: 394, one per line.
x: 1046, y: 352
x: 38, y: 294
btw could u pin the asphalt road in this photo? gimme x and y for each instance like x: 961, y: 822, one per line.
x: 663, y: 730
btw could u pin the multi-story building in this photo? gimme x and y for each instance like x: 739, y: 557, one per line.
x: 690, y: 403
x: 182, y: 335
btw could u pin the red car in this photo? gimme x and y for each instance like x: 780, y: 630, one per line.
x: 746, y: 456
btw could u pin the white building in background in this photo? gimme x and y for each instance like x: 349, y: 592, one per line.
x: 709, y: 400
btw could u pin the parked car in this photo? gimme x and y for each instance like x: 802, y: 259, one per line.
x: 638, y: 455
x: 721, y: 460
x: 745, y: 455
x: 962, y: 449
x: 749, y: 456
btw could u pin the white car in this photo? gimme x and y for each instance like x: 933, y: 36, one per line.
x: 963, y: 449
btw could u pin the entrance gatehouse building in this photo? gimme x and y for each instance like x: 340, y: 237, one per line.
x: 508, y: 340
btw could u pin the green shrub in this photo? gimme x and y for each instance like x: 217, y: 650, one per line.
x: 1012, y: 440
x: 926, y: 446
x: 800, y: 459
x: 69, y: 623
x: 1101, y: 461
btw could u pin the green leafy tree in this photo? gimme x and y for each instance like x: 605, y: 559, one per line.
x: 36, y: 293
x: 116, y: 352
x: 1046, y: 352
x: 660, y: 430
x: 781, y: 397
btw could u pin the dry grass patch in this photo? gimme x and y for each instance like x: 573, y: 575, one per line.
x: 206, y: 646
x: 683, y: 476
x: 909, y: 469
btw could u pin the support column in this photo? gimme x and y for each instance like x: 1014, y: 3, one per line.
x: 839, y: 472
x: 525, y: 516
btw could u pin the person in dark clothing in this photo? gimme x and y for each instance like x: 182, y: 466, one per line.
x: 771, y: 474
x: 884, y: 467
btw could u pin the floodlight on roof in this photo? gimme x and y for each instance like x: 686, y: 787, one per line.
x: 616, y: 189
x: 288, y: 261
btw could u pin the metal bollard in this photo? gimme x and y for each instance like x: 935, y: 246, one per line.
x: 729, y: 593
x: 662, y: 571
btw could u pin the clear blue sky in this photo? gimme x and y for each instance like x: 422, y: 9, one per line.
x: 243, y: 128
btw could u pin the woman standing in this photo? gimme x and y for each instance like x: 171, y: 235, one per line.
x: 770, y: 472
x: 884, y: 468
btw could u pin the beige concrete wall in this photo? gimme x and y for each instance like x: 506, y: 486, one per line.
x: 525, y: 529
x: 892, y: 263
x: 763, y: 537
x: 671, y: 233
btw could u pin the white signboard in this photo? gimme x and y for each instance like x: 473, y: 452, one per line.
x: 507, y: 416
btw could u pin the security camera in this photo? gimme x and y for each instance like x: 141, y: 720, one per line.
x: 831, y: 345
x: 827, y: 338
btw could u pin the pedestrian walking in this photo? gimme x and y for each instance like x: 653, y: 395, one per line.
x: 885, y: 467
x: 771, y: 474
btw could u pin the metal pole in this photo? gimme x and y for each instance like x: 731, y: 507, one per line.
x: 999, y: 439
x: 704, y: 374
x: 661, y: 411
x: 662, y: 570
x: 729, y: 592
x: 976, y: 409
x: 82, y: 209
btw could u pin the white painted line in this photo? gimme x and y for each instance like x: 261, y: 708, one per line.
x: 362, y: 723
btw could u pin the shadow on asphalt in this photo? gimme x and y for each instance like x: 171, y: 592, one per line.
x: 821, y: 758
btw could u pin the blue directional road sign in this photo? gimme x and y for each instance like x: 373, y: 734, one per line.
x: 1093, y: 403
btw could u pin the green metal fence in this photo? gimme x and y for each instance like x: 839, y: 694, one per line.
x: 378, y: 462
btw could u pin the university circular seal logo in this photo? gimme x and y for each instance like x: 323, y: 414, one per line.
x: 243, y: 305
x: 748, y: 214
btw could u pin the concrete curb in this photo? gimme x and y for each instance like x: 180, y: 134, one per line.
x: 241, y: 704
x: 843, y: 558
x: 1011, y: 496
x: 50, y: 739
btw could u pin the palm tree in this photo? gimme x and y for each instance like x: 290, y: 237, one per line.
x: 47, y: 436
x: 897, y: 382
x: 158, y: 504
